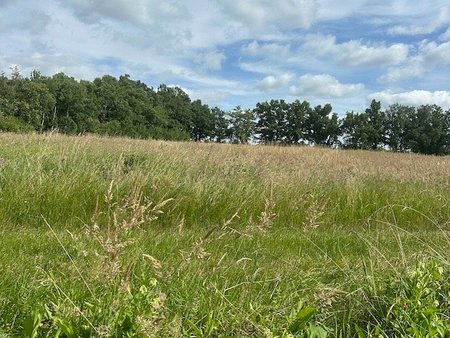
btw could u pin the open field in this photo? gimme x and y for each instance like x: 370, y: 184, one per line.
x: 117, y: 237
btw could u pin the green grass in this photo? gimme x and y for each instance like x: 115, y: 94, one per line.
x: 125, y: 238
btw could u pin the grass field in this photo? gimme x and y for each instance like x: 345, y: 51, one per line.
x: 112, y: 237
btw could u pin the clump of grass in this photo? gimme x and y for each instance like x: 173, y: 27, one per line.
x: 127, y: 305
x: 122, y: 218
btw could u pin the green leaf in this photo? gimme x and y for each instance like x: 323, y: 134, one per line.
x: 315, y: 331
x: 197, y: 331
x: 359, y: 332
x: 31, y: 324
x: 64, y: 326
x: 302, y: 318
x: 127, y: 325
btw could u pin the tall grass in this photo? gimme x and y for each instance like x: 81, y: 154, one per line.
x: 119, y: 237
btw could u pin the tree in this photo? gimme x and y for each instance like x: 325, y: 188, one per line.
x: 429, y: 131
x: 76, y: 106
x: 397, y: 121
x: 376, y: 123
x: 178, y: 106
x: 32, y: 103
x: 333, y: 131
x: 354, y: 131
x: 141, y: 100
x: 271, y: 121
x: 296, y: 122
x: 112, y: 101
x: 221, y: 130
x: 242, y: 125
x: 36, y: 76
x: 365, y: 130
x: 16, y: 75
x: 202, y: 121
x: 322, y: 126
x: 6, y: 96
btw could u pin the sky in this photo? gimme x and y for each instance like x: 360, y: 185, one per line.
x: 240, y: 52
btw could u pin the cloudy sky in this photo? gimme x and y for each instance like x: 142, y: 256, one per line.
x: 239, y: 52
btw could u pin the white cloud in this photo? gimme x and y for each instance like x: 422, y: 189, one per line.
x: 266, y: 67
x: 265, y: 57
x: 5, y: 3
x: 32, y: 22
x: 207, y: 96
x: 430, y: 55
x: 212, y: 60
x: 413, y: 98
x: 273, y: 82
x: 411, y: 70
x: 354, y: 53
x: 324, y: 86
x: 434, y: 53
x: 263, y: 15
x: 394, y: 12
x: 267, y: 50
x: 445, y: 36
x: 442, y: 19
x: 137, y: 12
x: 263, y: 42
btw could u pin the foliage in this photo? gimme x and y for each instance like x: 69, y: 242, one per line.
x: 126, y: 107
x: 412, y: 304
x: 242, y: 125
x: 272, y: 121
x: 322, y: 126
x: 14, y: 125
x: 398, y: 124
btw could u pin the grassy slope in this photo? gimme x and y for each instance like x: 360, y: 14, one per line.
x: 179, y: 239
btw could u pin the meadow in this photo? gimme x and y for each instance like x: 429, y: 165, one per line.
x: 114, y: 237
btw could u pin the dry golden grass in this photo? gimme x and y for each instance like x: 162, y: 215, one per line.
x: 274, y: 163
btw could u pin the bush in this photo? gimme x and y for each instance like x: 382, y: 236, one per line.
x: 14, y: 125
x: 415, y: 304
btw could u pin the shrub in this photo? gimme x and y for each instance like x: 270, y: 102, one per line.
x: 14, y: 125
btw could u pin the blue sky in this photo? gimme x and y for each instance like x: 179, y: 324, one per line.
x: 239, y: 52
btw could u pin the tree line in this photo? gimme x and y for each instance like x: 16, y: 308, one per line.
x: 126, y: 107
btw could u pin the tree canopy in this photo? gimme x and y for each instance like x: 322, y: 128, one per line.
x: 126, y: 107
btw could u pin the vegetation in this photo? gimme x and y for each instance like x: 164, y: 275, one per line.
x: 125, y: 107
x: 114, y: 237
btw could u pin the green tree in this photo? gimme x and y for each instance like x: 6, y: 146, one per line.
x: 271, y: 125
x: 122, y: 106
x: 141, y: 100
x: 428, y: 131
x: 296, y: 122
x: 397, y: 122
x: 242, y: 125
x: 376, y: 125
x: 221, y: 130
x: 354, y: 130
x: 6, y: 96
x: 321, y: 126
x: 32, y: 102
x: 366, y: 130
x: 266, y: 124
x: 112, y: 101
x: 76, y: 107
x: 202, y: 121
x: 178, y: 106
